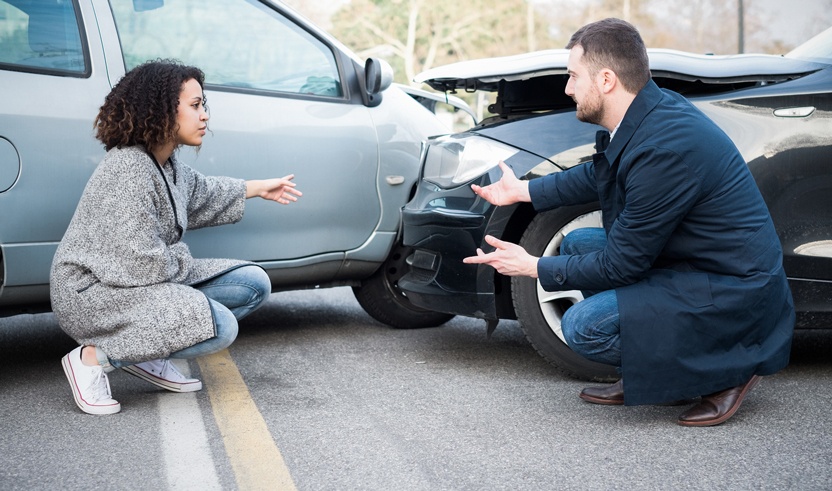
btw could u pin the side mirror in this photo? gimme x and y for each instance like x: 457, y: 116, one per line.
x: 378, y: 76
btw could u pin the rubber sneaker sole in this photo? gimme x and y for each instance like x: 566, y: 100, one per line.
x: 160, y: 382
x: 79, y: 400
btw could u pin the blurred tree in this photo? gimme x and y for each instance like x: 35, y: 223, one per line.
x: 759, y: 37
x: 699, y: 26
x: 318, y: 11
x: 414, y: 35
x: 567, y: 16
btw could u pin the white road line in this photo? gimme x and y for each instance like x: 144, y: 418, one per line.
x: 185, y: 450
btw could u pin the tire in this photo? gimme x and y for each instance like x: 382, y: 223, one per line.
x: 540, y: 312
x: 379, y: 296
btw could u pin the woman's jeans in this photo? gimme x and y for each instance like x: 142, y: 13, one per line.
x: 591, y: 327
x: 232, y: 296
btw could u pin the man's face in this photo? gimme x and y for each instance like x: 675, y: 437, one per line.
x: 582, y: 88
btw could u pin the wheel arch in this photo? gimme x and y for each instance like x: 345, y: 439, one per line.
x: 519, y: 218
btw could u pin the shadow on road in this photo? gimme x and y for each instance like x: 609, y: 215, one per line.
x: 334, y: 312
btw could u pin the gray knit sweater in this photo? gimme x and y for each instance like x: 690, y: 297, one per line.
x: 120, y: 277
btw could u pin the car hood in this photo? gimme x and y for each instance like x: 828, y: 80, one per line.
x: 485, y: 74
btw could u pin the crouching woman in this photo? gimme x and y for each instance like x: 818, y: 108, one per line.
x: 123, y: 284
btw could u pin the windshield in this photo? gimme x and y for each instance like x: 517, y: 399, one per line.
x: 819, y: 48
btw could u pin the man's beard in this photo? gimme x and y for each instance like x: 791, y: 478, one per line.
x: 592, y: 109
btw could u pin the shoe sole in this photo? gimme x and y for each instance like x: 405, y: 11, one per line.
x: 604, y: 402
x: 76, y: 393
x: 725, y: 417
x: 160, y: 382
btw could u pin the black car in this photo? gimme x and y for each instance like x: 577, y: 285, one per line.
x: 777, y: 109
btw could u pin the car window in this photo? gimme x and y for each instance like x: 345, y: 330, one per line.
x: 237, y: 43
x: 41, y: 37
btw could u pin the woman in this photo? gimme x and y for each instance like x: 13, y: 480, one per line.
x: 123, y: 284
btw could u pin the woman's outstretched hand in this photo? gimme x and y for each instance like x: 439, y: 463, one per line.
x: 280, y: 189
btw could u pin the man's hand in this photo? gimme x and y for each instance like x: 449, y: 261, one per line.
x: 508, y: 259
x: 280, y: 189
x: 508, y: 190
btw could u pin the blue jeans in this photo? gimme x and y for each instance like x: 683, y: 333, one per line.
x: 232, y: 296
x: 592, y: 327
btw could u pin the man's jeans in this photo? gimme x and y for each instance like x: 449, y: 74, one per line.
x: 232, y: 296
x: 591, y: 327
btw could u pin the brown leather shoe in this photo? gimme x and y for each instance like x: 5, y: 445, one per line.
x: 611, y: 395
x: 716, y: 408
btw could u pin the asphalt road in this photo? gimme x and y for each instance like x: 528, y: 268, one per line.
x: 314, y: 395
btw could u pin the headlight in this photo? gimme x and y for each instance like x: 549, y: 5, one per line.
x: 450, y: 161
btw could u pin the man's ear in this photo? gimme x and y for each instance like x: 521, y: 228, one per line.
x: 607, y: 80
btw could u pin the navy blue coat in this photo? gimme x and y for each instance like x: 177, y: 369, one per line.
x: 691, y: 252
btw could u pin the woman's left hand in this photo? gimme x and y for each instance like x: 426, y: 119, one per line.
x: 280, y: 189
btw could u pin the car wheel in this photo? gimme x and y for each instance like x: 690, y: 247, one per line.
x: 380, y: 296
x: 540, y: 312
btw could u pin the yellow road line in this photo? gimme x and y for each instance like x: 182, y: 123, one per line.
x: 255, y: 459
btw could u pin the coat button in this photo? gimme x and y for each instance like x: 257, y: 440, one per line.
x: 559, y: 278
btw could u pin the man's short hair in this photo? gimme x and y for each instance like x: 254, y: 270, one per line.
x: 616, y: 45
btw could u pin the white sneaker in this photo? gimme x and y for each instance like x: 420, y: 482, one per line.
x: 90, y: 386
x: 164, y: 374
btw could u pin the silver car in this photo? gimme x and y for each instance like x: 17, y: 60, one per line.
x: 284, y: 96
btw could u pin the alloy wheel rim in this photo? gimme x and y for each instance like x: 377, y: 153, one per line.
x: 554, y: 304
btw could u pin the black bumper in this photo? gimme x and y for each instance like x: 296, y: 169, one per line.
x: 437, y: 279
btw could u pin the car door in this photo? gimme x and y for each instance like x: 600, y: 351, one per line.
x: 52, y: 81
x: 784, y: 132
x: 282, y: 99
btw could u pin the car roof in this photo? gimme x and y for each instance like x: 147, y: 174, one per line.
x: 485, y: 74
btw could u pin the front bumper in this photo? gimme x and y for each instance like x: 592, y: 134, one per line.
x: 443, y: 227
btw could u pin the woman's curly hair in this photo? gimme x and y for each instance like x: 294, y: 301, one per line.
x: 141, y: 108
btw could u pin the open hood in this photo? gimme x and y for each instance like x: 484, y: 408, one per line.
x: 486, y: 74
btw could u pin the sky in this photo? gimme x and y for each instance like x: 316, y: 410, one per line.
x: 795, y: 21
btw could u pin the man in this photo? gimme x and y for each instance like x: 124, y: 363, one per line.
x: 690, y: 297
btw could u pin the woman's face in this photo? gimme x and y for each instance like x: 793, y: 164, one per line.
x: 191, y: 117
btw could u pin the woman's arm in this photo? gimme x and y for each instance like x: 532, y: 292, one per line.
x: 280, y: 189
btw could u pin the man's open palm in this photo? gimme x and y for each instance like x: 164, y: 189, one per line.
x: 508, y: 190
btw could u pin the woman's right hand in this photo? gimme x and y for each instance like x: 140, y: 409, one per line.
x: 280, y: 189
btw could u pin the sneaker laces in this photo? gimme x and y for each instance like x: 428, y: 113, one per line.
x: 99, y: 386
x: 170, y: 372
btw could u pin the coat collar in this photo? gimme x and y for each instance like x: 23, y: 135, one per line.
x: 645, y: 101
